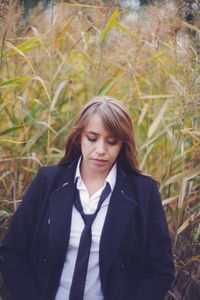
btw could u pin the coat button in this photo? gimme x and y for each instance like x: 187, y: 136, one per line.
x: 122, y: 267
x: 45, y: 259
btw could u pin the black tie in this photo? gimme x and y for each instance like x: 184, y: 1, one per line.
x: 80, y: 271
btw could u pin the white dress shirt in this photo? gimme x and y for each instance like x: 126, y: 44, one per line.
x: 93, y: 289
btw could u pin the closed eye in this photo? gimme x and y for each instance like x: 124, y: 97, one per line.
x: 112, y: 141
x: 92, y: 137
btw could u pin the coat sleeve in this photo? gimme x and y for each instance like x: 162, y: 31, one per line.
x: 15, y: 249
x: 159, y: 267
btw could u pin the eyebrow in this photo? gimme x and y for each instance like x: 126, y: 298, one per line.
x: 95, y: 133
x: 92, y: 132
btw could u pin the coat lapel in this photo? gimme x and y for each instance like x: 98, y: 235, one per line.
x: 121, y: 208
x: 61, y: 202
x: 60, y: 212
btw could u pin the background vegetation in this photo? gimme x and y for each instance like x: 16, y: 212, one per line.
x: 53, y: 61
x: 31, y: 3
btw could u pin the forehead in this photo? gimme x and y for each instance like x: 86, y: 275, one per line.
x: 95, y: 120
x: 96, y: 124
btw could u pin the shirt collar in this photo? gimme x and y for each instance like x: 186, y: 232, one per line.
x: 111, y: 178
x: 78, y: 174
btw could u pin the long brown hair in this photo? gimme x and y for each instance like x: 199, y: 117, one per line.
x: 116, y: 119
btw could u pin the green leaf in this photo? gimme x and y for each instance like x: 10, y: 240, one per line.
x: 20, y: 52
x: 14, y: 81
x: 7, y: 140
x: 26, y: 46
x: 110, y: 24
x: 11, y: 129
x: 106, y: 87
x: 124, y: 29
x: 4, y: 214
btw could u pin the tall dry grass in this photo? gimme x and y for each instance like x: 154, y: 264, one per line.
x: 55, y: 60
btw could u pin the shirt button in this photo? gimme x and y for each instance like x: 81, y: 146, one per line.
x: 122, y: 267
x: 45, y: 259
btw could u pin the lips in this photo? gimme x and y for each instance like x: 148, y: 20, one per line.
x: 98, y: 162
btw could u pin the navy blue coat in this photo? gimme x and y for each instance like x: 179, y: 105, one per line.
x: 135, y: 256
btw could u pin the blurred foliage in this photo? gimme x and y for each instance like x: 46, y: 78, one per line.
x: 32, y: 3
x: 53, y: 62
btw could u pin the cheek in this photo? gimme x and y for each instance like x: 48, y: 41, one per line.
x: 86, y: 146
x: 116, y: 151
x: 83, y: 145
x: 84, y: 142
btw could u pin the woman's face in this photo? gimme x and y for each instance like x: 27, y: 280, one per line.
x: 99, y: 147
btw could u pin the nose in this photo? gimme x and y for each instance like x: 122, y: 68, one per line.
x: 100, y: 147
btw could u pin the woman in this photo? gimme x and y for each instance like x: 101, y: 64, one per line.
x: 91, y: 227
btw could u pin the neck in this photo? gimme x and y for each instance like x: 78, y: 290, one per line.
x: 93, y: 180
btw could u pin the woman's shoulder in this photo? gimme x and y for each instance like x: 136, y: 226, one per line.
x: 142, y: 179
x: 54, y: 168
x: 51, y: 168
x: 145, y: 189
x: 140, y: 187
x: 53, y: 177
x: 50, y: 172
